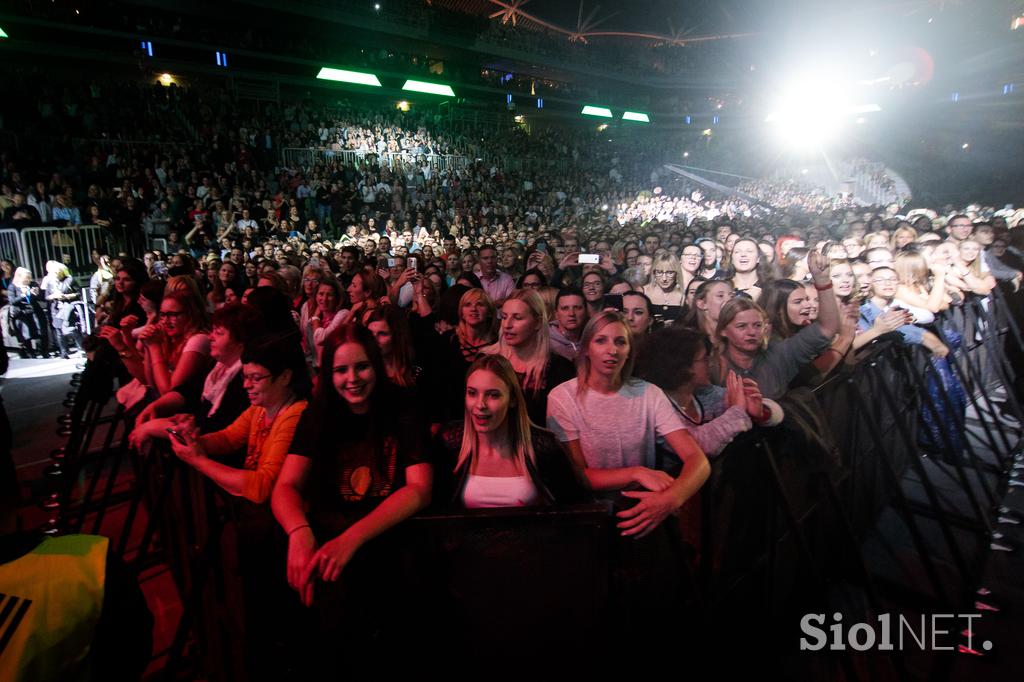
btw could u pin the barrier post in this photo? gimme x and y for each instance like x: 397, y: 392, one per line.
x: 10, y: 247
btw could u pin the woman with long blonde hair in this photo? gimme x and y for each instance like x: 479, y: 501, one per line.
x: 921, y: 286
x: 523, y: 340
x: 609, y: 423
x: 969, y: 263
x: 901, y: 236
x: 475, y: 330
x: 497, y: 457
x: 666, y: 278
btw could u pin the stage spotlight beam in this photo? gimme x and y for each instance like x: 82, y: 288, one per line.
x: 812, y: 112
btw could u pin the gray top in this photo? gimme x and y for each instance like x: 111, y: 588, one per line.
x: 775, y: 367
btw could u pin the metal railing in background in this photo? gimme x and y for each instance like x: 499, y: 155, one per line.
x: 10, y: 246
x: 72, y: 246
x: 307, y: 157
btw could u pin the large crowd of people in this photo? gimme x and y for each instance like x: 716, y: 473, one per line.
x: 344, y: 345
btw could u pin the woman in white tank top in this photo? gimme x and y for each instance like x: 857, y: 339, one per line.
x: 498, y: 457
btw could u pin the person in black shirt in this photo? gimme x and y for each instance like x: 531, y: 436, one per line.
x: 357, y: 467
x: 525, y: 342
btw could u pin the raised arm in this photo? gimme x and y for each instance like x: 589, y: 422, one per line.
x: 828, y: 308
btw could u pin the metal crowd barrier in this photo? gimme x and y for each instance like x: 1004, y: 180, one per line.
x: 10, y: 246
x: 70, y: 245
x: 307, y: 157
x: 850, y: 489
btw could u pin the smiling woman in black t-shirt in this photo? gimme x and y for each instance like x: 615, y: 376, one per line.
x: 357, y: 464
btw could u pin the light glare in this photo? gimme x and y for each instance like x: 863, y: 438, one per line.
x: 596, y: 111
x: 812, y: 111
x: 346, y: 76
x: 429, y: 88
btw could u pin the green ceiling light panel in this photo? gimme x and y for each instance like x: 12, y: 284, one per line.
x: 596, y: 111
x: 429, y: 88
x: 3, y: 33
x: 346, y: 76
x: 636, y: 116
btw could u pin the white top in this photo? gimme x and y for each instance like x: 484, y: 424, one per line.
x: 499, y: 491
x: 197, y: 343
x: 614, y: 430
x: 920, y: 315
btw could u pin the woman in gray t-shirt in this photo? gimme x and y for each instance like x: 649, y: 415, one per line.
x: 609, y: 423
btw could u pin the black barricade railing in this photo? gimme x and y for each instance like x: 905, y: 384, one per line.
x: 782, y: 511
x: 89, y: 465
x: 760, y: 493
x: 477, y: 563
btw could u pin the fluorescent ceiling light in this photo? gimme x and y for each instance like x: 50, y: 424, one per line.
x: 430, y: 88
x: 596, y: 111
x: 345, y: 76
x: 636, y: 116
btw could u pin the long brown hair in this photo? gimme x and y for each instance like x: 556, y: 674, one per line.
x: 774, y: 301
x: 401, y: 360
x: 517, y: 420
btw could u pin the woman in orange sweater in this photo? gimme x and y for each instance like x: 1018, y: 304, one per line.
x: 275, y: 377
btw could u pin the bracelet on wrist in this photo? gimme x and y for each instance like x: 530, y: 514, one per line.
x: 823, y: 287
x: 297, y: 528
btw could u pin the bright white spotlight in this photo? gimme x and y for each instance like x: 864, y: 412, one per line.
x: 809, y: 113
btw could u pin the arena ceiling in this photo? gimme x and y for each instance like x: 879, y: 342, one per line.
x: 646, y: 20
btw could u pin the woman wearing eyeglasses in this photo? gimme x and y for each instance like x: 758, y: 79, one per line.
x: 176, y: 349
x: 690, y: 261
x: 664, y: 287
x: 882, y: 313
x: 532, y: 279
x: 276, y: 381
x: 594, y: 286
x: 245, y: 459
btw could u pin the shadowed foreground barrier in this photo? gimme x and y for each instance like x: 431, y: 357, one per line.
x: 788, y: 514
